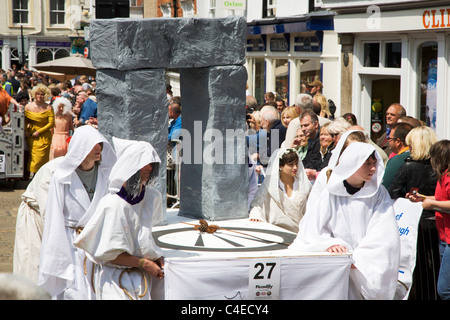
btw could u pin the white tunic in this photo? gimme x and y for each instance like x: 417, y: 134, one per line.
x: 30, y: 222
x: 271, y: 203
x: 120, y: 227
x: 64, y: 272
x: 364, y: 223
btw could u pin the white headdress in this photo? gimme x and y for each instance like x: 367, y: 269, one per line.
x: 132, y: 155
x: 350, y: 161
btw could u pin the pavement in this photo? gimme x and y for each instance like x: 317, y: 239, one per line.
x: 10, y: 198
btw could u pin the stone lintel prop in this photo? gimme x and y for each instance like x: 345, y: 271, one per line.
x: 127, y: 44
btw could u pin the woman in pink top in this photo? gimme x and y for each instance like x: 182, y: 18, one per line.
x: 63, y: 126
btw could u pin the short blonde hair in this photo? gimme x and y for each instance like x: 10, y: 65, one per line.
x: 41, y: 88
x: 291, y: 112
x: 420, y: 140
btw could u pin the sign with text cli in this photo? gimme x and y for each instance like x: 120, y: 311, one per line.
x: 264, y: 279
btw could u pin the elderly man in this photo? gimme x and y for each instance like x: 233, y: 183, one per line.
x: 397, y: 143
x: 302, y: 102
x: 275, y: 131
x: 310, y: 127
x: 393, y: 114
x: 88, y: 108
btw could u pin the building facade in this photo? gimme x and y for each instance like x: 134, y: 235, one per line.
x: 394, y: 51
x: 289, y: 43
x: 48, y: 29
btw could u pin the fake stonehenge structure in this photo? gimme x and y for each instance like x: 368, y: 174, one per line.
x: 131, y: 57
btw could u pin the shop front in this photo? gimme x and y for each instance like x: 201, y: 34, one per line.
x: 399, y: 56
x: 37, y: 50
x: 284, y: 55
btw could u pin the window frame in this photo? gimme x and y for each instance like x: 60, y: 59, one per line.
x: 57, y: 11
x: 20, y: 10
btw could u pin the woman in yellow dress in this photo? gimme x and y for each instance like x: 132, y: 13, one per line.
x: 40, y: 119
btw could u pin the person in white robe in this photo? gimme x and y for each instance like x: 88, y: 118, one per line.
x: 76, y: 187
x: 281, y: 199
x: 30, y: 222
x: 118, y: 238
x: 322, y: 178
x: 356, y: 215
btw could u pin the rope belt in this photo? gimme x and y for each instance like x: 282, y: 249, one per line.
x: 77, y: 229
x: 129, y: 270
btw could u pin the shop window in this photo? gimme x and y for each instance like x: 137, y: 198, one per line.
x: 166, y: 10
x: 20, y: 11
x: 260, y: 83
x: 188, y: 8
x: 61, y: 53
x: 212, y: 8
x: 44, y: 55
x: 309, y: 71
x: 372, y: 55
x: 427, y: 79
x: 282, y: 78
x: 57, y: 11
x: 393, y: 55
x: 269, y: 8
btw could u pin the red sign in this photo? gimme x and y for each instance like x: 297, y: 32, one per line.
x: 86, y: 52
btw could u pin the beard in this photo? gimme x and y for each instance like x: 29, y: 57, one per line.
x: 133, y: 184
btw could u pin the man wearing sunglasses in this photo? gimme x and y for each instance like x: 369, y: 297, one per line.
x: 397, y: 143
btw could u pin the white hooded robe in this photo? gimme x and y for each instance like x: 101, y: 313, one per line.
x: 118, y: 226
x: 30, y: 222
x: 364, y: 223
x: 64, y: 272
x: 271, y: 204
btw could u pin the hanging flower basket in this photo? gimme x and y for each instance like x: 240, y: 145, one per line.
x: 78, y: 43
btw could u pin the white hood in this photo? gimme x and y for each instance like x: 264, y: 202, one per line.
x: 132, y: 155
x: 350, y: 161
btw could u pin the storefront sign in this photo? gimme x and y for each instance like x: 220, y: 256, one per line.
x: 392, y: 21
x: 231, y: 5
x: 256, y: 44
x: 307, y: 44
x: 436, y: 18
x: 279, y: 44
x: 53, y: 44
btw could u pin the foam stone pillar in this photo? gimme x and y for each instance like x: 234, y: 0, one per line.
x: 133, y: 105
x: 214, y: 179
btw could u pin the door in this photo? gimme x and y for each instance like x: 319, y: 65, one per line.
x: 378, y: 93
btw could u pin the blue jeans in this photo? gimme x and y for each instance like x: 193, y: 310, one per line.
x: 443, y: 285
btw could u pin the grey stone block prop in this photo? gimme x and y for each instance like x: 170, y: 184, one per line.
x: 133, y: 105
x: 126, y: 44
x: 131, y: 56
x: 217, y: 190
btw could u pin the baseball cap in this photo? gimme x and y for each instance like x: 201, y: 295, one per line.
x: 316, y: 83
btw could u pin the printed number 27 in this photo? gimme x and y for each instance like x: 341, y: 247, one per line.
x: 261, y: 267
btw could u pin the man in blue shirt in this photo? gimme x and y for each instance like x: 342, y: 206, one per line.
x: 175, y: 125
x: 88, y: 108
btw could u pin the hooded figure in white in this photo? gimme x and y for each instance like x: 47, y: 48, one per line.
x: 363, y: 222
x: 64, y: 271
x: 121, y: 227
x: 272, y: 204
x: 322, y: 178
x: 30, y: 222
